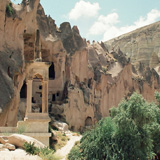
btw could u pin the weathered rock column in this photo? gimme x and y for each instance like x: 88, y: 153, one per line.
x: 45, y: 96
x: 29, y: 96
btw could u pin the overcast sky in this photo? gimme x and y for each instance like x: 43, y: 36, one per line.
x: 103, y: 19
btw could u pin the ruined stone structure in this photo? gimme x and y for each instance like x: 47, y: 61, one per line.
x: 36, y: 119
x: 84, y: 80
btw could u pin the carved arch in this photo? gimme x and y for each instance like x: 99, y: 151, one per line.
x: 37, y: 76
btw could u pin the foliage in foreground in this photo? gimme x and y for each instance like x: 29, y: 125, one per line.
x: 44, y: 153
x: 132, y: 132
x: 75, y: 153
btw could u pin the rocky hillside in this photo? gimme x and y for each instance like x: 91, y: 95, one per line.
x: 141, y: 46
x: 87, y: 80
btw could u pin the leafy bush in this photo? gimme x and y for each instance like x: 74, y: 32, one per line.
x: 9, y: 9
x: 97, y: 143
x: 133, y: 138
x: 75, y: 153
x: 132, y: 132
x: 44, y: 153
x: 31, y: 149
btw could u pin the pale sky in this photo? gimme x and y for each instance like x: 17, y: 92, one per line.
x: 101, y: 20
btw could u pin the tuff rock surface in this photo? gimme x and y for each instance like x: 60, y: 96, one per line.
x: 18, y: 140
x: 90, y: 78
x: 141, y: 46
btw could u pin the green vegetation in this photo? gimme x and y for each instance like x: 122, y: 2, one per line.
x: 47, y: 154
x: 31, y: 149
x: 132, y: 132
x: 9, y: 9
x: 44, y: 153
x: 75, y: 153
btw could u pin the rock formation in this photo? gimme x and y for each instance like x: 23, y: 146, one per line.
x: 19, y: 141
x: 85, y: 80
x: 138, y: 45
x: 12, y: 147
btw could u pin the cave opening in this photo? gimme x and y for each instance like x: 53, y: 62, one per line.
x: 22, y: 103
x: 72, y: 128
x: 52, y: 71
x: 53, y: 97
x: 33, y: 100
x: 90, y: 83
x: 88, y: 121
x: 40, y: 87
x: 23, y: 92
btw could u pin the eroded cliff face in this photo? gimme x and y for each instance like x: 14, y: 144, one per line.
x: 85, y: 80
x: 101, y: 82
x: 141, y: 45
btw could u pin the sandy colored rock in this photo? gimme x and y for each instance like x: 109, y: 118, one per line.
x: 139, y: 44
x: 61, y: 126
x: 19, y: 140
x: 4, y: 149
x: 54, y: 135
x: 9, y: 146
x: 1, y: 146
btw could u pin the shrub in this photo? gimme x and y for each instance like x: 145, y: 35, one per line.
x: 9, y: 9
x: 132, y: 132
x: 31, y: 149
x: 97, y: 143
x: 44, y: 153
x: 133, y: 138
x: 75, y: 153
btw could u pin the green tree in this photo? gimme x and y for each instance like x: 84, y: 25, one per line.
x: 97, y: 143
x: 133, y: 137
x: 155, y: 126
x: 131, y: 133
x: 75, y: 153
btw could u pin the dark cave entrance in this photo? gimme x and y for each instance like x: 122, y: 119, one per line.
x: 23, y: 92
x: 53, y: 97
x: 52, y: 71
x: 88, y: 121
x: 22, y: 103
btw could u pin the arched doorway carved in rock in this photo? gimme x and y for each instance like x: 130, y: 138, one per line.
x: 88, y: 122
x: 22, y: 103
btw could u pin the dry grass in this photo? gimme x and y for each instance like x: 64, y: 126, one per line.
x: 62, y: 140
